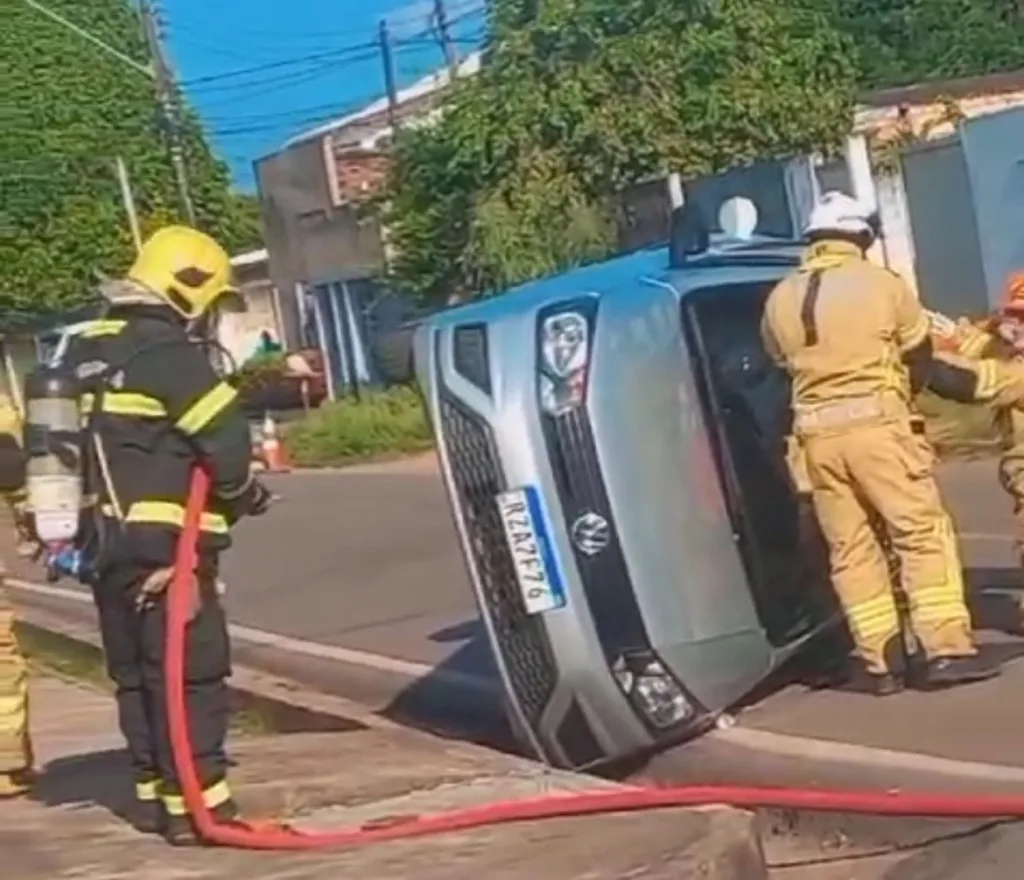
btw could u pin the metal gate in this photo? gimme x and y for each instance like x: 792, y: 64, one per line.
x: 948, y: 262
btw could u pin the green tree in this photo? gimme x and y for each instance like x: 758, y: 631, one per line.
x: 580, y: 98
x: 899, y: 42
x: 70, y: 110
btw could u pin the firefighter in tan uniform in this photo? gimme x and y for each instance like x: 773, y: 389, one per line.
x: 999, y: 338
x: 856, y: 342
x: 15, y: 746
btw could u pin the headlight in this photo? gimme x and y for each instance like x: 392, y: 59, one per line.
x: 564, y: 356
x: 652, y: 690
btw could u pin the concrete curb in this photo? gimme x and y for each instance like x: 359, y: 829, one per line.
x: 730, y: 850
x: 287, y: 704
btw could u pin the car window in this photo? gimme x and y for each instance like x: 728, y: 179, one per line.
x: 751, y: 386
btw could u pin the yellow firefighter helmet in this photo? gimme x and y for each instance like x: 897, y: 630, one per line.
x: 188, y: 269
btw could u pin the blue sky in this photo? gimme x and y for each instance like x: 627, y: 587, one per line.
x: 261, y: 71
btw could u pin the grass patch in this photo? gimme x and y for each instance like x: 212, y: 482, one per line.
x: 960, y: 431
x: 49, y: 653
x: 383, y: 424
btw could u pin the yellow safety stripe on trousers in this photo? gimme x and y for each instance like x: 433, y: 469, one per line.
x: 147, y: 792
x: 207, y: 408
x: 877, y: 617
x: 217, y: 794
x: 166, y: 513
x: 941, y: 602
x: 102, y: 328
x: 125, y: 403
x: 14, y: 713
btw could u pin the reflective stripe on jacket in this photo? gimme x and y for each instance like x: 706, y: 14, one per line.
x: 157, y: 406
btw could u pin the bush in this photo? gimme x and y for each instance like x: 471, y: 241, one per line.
x: 260, y: 372
x: 382, y: 424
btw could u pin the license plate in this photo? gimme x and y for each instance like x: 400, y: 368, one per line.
x: 532, y: 554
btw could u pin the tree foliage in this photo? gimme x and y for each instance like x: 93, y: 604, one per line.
x: 899, y: 42
x: 580, y: 98
x: 70, y: 111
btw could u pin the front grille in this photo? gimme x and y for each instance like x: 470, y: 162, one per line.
x: 478, y: 478
x: 606, y: 583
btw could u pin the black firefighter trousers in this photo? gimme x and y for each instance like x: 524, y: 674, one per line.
x: 134, y: 641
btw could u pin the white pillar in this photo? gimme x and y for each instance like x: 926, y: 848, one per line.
x: 675, y: 190
x: 858, y: 162
x: 862, y: 179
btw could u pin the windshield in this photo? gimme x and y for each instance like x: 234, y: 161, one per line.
x: 747, y: 413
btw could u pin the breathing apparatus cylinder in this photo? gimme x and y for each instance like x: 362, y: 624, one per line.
x: 53, y: 445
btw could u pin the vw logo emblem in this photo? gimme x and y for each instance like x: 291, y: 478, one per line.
x: 591, y: 533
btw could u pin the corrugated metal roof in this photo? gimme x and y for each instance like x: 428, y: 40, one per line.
x: 433, y: 82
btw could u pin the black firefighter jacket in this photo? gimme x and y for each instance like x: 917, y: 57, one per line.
x: 153, y: 407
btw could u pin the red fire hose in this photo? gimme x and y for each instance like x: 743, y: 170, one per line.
x: 278, y: 836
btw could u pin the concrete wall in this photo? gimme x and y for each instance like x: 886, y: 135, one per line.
x: 240, y: 333
x: 310, y: 240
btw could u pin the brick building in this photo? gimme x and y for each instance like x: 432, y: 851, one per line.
x: 327, y: 254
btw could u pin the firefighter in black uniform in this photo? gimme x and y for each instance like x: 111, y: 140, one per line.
x: 154, y: 406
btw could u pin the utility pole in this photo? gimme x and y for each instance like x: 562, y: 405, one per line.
x: 451, y: 56
x: 167, y: 94
x: 389, y: 74
x: 128, y: 198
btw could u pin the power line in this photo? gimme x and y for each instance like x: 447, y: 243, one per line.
x: 248, y: 91
x: 277, y: 65
x: 456, y: 10
x: 332, y: 107
x: 285, y: 78
x: 144, y: 69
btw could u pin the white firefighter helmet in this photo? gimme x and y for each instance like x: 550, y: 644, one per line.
x: 839, y: 213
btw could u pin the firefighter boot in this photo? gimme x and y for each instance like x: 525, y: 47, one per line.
x: 16, y: 783
x: 946, y: 672
x: 181, y: 831
x: 880, y: 684
x: 147, y: 814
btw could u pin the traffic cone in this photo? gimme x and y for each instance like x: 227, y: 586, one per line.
x: 275, y: 459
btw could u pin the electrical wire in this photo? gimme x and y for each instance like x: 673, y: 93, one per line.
x: 144, y: 69
x: 456, y: 11
x: 338, y: 53
x: 291, y: 77
x: 312, y: 116
x: 334, y: 54
x: 271, y: 87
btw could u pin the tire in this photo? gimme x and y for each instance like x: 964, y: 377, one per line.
x: 393, y: 354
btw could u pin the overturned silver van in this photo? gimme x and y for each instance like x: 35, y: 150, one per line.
x: 612, y: 441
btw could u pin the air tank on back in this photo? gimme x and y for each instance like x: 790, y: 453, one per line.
x: 53, y: 445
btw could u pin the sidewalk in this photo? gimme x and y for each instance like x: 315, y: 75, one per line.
x: 72, y: 829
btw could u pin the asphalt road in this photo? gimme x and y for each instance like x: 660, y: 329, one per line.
x: 368, y: 561
x: 363, y: 560
x: 353, y: 583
